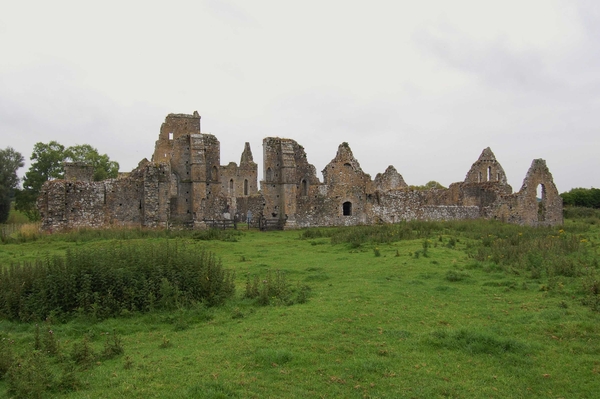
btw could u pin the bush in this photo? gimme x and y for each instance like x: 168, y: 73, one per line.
x: 30, y: 377
x: 274, y: 289
x: 109, y: 281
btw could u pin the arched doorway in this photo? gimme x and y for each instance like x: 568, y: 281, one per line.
x: 347, y: 208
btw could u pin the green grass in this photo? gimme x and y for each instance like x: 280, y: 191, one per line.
x: 458, y: 320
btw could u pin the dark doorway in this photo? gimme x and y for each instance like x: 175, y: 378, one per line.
x: 347, y: 208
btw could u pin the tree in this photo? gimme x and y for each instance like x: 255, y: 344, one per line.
x: 10, y: 162
x: 585, y: 197
x: 47, y: 164
x: 104, y: 168
x: 431, y: 184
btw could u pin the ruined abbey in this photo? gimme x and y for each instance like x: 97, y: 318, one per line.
x: 185, y: 185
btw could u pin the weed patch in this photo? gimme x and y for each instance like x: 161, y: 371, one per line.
x: 275, y: 289
x: 475, y: 342
x: 272, y: 357
x: 110, y: 281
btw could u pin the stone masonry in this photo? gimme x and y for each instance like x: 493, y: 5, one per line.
x: 185, y: 185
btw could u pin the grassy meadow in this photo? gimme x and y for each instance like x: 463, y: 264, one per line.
x: 414, y: 310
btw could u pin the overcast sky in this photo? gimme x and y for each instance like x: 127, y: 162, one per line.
x: 422, y: 85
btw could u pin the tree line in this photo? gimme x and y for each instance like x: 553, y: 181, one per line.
x: 47, y: 161
x: 584, y: 197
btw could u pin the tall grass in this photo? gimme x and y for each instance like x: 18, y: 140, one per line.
x: 109, y: 280
x: 20, y: 233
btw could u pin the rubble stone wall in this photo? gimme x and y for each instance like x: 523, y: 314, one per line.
x: 185, y: 184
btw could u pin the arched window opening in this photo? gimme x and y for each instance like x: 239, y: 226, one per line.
x: 215, y: 173
x: 489, y: 175
x: 269, y: 174
x: 347, y: 208
x: 479, y: 178
x: 245, y: 186
x: 540, y: 195
x: 170, y: 135
x: 304, y: 186
x: 231, y: 187
x: 540, y: 192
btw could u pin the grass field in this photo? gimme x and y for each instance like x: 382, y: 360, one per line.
x: 417, y: 310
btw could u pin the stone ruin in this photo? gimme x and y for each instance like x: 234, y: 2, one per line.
x: 185, y: 185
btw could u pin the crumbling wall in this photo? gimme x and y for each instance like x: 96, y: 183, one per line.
x: 287, y: 175
x: 185, y: 184
x: 174, y: 126
x: 137, y: 200
x: 389, y: 180
x: 78, y: 171
x: 348, y: 196
x: 526, y: 208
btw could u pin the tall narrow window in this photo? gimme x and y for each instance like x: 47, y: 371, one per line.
x: 215, y: 174
x: 347, y: 208
x: 304, y: 186
x: 231, y: 187
x: 171, y: 136
x: 245, y: 186
x: 489, y: 175
x: 541, y: 200
x: 479, y: 178
x: 269, y: 174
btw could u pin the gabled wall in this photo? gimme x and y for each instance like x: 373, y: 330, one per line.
x: 185, y: 184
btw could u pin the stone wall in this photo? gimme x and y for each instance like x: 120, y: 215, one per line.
x: 79, y: 171
x: 185, y: 184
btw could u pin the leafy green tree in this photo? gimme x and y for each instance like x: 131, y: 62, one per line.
x: 584, y: 197
x: 431, y: 184
x: 104, y: 168
x: 47, y: 164
x: 10, y: 162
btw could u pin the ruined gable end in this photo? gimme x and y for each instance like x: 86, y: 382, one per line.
x: 539, y: 201
x: 247, y: 158
x: 389, y: 180
x: 344, y: 168
x: 486, y: 169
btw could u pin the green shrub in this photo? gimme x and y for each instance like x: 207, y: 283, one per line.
x: 7, y: 356
x: 30, y: 377
x: 82, y: 353
x: 274, y: 289
x: 113, y: 346
x: 112, y: 280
